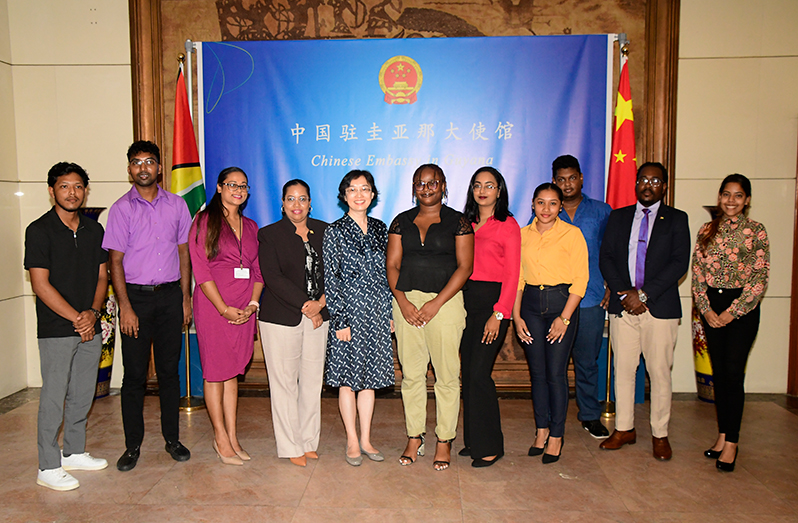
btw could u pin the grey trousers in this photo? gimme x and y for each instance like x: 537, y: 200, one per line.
x: 69, y: 378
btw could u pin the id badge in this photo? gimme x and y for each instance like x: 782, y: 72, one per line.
x: 241, y: 273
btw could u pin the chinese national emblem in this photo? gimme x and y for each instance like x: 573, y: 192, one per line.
x: 400, y: 80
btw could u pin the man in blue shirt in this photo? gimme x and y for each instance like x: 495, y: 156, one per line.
x: 591, y: 217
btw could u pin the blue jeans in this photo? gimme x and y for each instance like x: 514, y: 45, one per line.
x: 587, y: 346
x: 548, y: 362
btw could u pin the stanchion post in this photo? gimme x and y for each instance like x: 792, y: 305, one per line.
x: 188, y: 402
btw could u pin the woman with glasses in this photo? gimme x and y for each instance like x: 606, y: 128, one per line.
x: 359, y: 350
x: 430, y: 257
x: 553, y: 280
x: 489, y: 297
x: 223, y: 246
x: 293, y: 323
x: 731, y: 264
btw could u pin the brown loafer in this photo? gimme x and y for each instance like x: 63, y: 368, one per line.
x: 662, y: 449
x: 618, y: 439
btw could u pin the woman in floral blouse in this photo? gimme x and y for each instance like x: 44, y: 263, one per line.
x: 730, y: 273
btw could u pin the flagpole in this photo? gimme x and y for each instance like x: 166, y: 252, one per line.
x: 187, y: 74
x: 609, y: 406
x: 188, y: 402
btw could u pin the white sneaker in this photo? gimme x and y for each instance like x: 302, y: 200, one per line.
x: 82, y: 462
x: 57, y: 479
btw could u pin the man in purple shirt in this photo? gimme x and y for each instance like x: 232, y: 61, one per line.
x: 147, y: 242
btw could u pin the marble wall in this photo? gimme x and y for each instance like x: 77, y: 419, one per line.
x: 69, y: 81
x: 738, y: 112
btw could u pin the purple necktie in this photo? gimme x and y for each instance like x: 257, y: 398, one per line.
x: 642, y: 247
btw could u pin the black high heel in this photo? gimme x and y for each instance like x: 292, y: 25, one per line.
x: 439, y: 464
x: 712, y: 454
x: 408, y: 460
x: 537, y: 451
x: 727, y: 467
x: 551, y: 458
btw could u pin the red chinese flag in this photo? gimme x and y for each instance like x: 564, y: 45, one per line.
x: 623, y: 161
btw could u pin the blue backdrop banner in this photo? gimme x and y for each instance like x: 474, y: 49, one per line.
x: 317, y: 109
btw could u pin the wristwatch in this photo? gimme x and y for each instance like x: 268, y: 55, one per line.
x: 96, y: 313
x: 642, y: 295
x: 499, y: 315
x: 565, y: 321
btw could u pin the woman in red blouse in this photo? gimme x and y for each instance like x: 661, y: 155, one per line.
x: 731, y: 262
x: 489, y: 296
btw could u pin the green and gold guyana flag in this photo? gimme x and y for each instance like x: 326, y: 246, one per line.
x: 186, y: 173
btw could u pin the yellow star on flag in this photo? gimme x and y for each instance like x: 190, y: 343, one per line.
x: 623, y: 112
x: 619, y: 156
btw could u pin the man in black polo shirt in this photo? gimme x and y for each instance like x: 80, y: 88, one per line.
x: 63, y: 252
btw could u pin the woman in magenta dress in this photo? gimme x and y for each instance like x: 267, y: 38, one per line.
x: 224, y: 257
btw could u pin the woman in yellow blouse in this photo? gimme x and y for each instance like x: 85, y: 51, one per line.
x: 553, y: 280
x: 731, y: 262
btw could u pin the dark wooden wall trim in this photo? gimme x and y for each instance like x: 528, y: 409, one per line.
x: 146, y: 58
x: 792, y: 370
x: 662, y: 64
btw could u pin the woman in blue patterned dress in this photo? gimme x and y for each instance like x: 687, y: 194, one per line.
x: 359, y: 350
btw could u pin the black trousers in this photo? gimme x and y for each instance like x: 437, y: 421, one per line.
x: 728, y: 349
x: 548, y: 362
x: 482, y: 427
x: 160, y: 323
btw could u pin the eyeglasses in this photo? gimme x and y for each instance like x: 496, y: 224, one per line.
x: 353, y: 190
x: 234, y: 186
x: 487, y: 187
x: 432, y: 185
x: 138, y: 162
x: 302, y: 199
x: 653, y: 182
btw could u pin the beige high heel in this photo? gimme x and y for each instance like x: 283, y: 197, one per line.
x: 233, y: 460
x: 243, y: 454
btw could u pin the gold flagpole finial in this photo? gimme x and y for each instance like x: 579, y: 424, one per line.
x: 181, y: 58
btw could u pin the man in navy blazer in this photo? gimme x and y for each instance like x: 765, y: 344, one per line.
x: 644, y: 307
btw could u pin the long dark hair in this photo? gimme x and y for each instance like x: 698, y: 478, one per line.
x: 214, y: 214
x: 717, y: 215
x: 502, y: 209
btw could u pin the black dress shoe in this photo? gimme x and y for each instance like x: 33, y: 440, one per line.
x: 465, y: 451
x: 178, y: 451
x: 712, y: 454
x: 128, y: 460
x: 479, y: 462
x: 727, y: 467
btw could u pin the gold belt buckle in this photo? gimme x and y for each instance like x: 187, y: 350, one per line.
x: 542, y: 287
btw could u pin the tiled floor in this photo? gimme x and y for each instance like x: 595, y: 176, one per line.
x: 587, y: 484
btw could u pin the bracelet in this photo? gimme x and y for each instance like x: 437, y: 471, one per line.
x: 225, y: 311
x: 256, y: 304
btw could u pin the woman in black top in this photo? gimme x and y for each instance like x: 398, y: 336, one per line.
x: 294, y: 323
x: 430, y: 257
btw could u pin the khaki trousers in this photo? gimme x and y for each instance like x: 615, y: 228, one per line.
x: 655, y: 339
x: 295, y: 364
x: 438, y: 341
